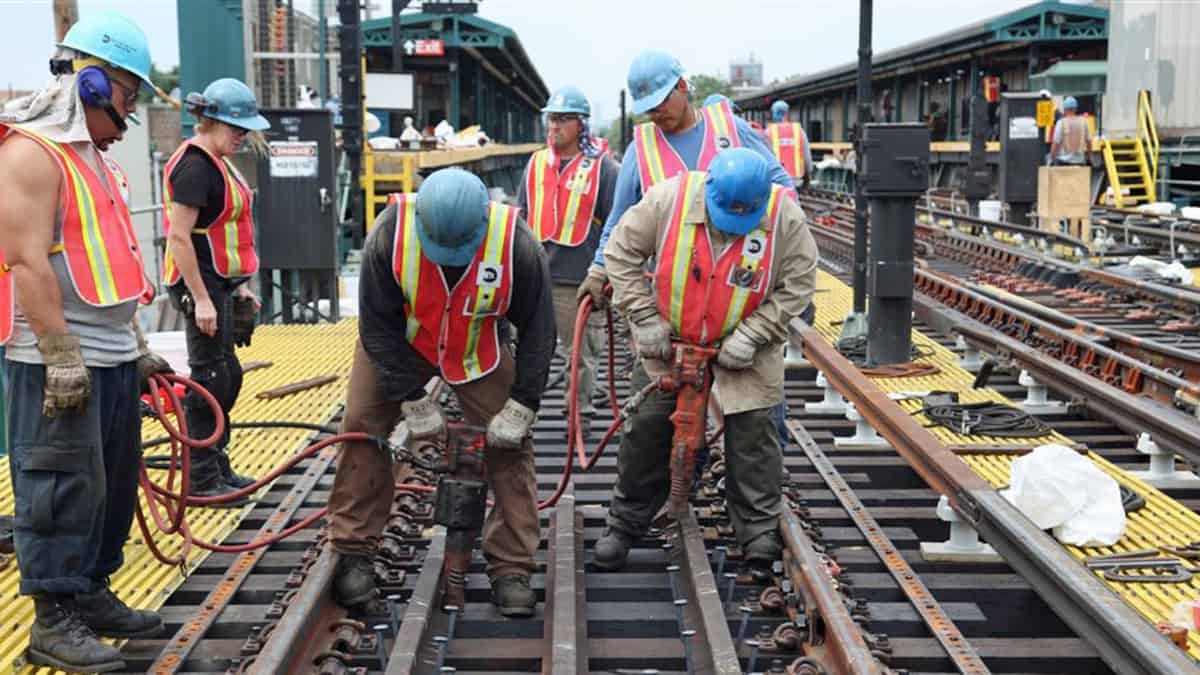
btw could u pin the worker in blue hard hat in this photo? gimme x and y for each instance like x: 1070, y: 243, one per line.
x: 735, y: 262
x: 789, y: 143
x: 446, y: 246
x: 209, y: 262
x: 1071, y: 140
x: 565, y: 197
x: 75, y: 359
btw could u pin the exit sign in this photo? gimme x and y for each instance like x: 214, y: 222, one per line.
x: 425, y: 47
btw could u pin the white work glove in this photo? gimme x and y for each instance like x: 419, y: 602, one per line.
x: 510, y: 426
x: 425, y: 420
x: 653, y: 339
x: 737, y: 351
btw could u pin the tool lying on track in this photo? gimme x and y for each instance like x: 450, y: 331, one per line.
x: 1141, y: 566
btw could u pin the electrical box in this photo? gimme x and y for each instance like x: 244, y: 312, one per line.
x: 1021, y: 147
x: 895, y: 160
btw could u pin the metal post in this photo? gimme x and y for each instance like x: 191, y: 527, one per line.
x: 397, y: 40
x: 624, y: 138
x: 979, y: 176
x: 349, y: 70
x: 323, y: 63
x: 855, y: 324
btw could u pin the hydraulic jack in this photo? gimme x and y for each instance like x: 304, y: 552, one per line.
x: 691, y: 379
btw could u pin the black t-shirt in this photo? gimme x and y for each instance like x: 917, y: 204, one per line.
x: 197, y: 182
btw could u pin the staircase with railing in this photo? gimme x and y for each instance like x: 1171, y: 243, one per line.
x: 1132, y: 162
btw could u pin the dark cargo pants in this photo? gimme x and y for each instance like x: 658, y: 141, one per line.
x: 753, y: 466
x: 74, y: 478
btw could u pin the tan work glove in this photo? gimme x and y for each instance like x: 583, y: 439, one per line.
x: 510, y: 426
x: 68, y: 384
x: 737, y: 351
x: 148, y: 363
x: 425, y: 420
x: 653, y: 338
x: 593, y: 285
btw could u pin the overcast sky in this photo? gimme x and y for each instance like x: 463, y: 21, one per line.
x: 590, y: 43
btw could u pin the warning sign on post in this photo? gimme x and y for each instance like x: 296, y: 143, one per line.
x: 1045, y: 113
x: 293, y: 159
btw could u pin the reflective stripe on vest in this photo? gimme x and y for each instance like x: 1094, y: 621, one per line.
x: 657, y: 159
x: 97, y: 242
x: 230, y: 235
x: 561, y: 204
x: 456, y: 330
x: 787, y: 142
x: 703, y: 301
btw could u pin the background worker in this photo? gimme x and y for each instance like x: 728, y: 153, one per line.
x: 789, y: 144
x: 209, y: 223
x: 1071, y: 141
x: 75, y: 358
x: 447, y: 246
x: 565, y: 197
x: 735, y: 262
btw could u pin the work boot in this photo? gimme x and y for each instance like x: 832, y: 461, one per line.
x: 59, y: 638
x: 611, y: 550
x: 513, y: 596
x: 760, y: 554
x: 354, y: 580
x: 205, y: 479
x: 227, y: 473
x: 109, y: 616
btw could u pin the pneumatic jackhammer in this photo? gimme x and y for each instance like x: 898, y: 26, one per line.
x: 690, y: 379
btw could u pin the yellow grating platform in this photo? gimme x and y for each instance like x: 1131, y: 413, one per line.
x: 298, y: 353
x: 1162, y: 522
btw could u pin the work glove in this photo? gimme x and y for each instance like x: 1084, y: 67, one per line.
x: 243, y: 317
x: 737, y: 351
x: 148, y: 363
x: 653, y: 339
x: 68, y: 384
x: 425, y: 420
x: 508, y: 429
x: 593, y: 285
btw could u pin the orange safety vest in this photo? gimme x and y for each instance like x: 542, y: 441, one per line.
x: 705, y: 300
x: 658, y: 161
x: 230, y: 235
x: 787, y: 142
x: 455, y: 329
x: 98, y: 240
x: 562, y: 204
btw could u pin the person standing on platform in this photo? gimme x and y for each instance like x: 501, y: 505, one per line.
x: 209, y: 224
x: 1071, y: 141
x: 566, y: 196
x: 790, y: 144
x: 70, y: 283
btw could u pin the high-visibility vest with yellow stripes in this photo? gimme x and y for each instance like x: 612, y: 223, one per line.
x: 230, y: 235
x: 455, y: 329
x: 658, y: 161
x: 562, y: 203
x: 705, y: 299
x: 97, y: 241
x: 787, y: 141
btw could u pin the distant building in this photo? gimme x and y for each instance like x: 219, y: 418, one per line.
x: 747, y: 74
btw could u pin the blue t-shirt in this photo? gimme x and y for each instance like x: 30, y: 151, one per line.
x: 687, y: 144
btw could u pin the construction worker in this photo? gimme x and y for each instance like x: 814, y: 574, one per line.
x: 1071, y: 142
x: 790, y: 144
x: 209, y: 223
x: 442, y: 272
x: 72, y: 278
x: 735, y: 262
x: 566, y: 196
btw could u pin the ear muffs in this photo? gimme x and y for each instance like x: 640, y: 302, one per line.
x: 198, y: 105
x: 95, y: 90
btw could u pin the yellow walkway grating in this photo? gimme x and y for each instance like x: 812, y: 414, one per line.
x: 298, y: 353
x: 1162, y: 522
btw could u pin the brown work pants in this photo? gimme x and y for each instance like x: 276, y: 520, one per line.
x: 361, y: 500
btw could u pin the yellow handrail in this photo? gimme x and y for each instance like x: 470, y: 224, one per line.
x: 1147, y: 133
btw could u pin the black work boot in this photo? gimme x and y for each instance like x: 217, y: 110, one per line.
x: 760, y: 554
x: 354, y: 580
x: 205, y: 479
x: 109, y: 616
x: 611, y: 550
x: 228, y: 474
x: 60, y: 639
x: 513, y: 596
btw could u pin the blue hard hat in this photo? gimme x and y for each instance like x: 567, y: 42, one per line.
x: 1069, y: 103
x: 229, y: 101
x: 779, y: 110
x: 452, y: 216
x: 113, y: 38
x: 652, y: 76
x: 737, y: 190
x: 568, y: 100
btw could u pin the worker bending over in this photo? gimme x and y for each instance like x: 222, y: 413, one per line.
x: 442, y: 272
x: 566, y: 197
x: 735, y: 263
x: 75, y: 360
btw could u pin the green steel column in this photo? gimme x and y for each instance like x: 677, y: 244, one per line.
x: 898, y: 100
x: 952, y: 109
